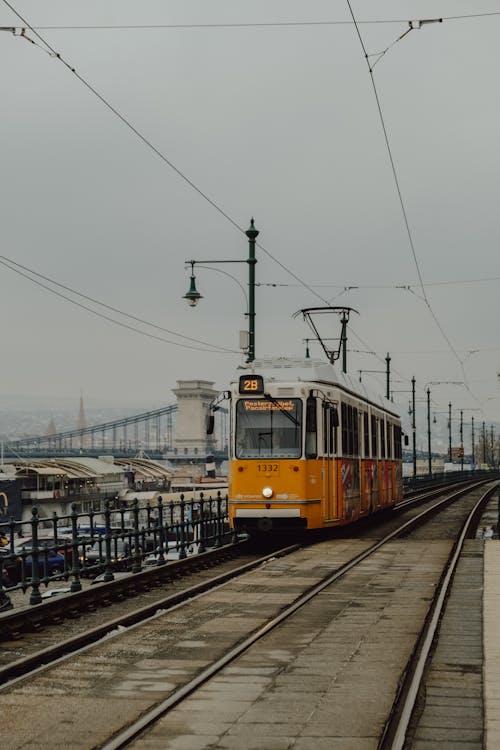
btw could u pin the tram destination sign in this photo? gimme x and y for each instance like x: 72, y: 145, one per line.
x: 261, y: 405
x: 253, y: 384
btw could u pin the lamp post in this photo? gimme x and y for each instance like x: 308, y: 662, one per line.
x: 484, y: 443
x: 449, y: 431
x: 387, y: 372
x: 192, y: 296
x: 436, y: 382
x: 429, y: 455
x: 461, y: 440
x: 473, y: 454
x: 413, y: 427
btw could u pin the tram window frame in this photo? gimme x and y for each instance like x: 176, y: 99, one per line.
x: 355, y: 431
x: 350, y: 431
x: 311, y: 432
x: 366, y: 435
x: 374, y: 427
x: 334, y: 423
x: 330, y: 424
x: 345, y: 431
x: 398, y: 436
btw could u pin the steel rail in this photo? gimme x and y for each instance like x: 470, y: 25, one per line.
x: 135, y: 729
x: 51, y: 655
x: 394, y: 735
x: 70, y: 605
x: 47, y: 657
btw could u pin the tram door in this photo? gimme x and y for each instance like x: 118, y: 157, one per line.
x: 330, y: 424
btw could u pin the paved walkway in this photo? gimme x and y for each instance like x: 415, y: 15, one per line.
x: 492, y: 644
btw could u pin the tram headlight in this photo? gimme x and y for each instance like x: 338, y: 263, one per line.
x: 268, y: 492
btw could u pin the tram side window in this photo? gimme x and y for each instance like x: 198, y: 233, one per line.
x: 390, y: 440
x: 374, y: 437
x: 345, y: 430
x: 334, y: 420
x: 366, y: 436
x: 355, y: 432
x: 311, y: 428
x: 350, y: 430
x: 382, y: 439
x: 397, y: 442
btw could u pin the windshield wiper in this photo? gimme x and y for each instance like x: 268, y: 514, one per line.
x: 286, y: 413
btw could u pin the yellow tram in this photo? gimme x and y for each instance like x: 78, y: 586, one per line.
x: 310, y: 448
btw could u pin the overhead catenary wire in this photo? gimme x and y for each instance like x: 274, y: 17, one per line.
x: 204, y: 195
x: 5, y: 261
x: 214, y: 349
x: 253, y: 24
x: 153, y: 148
x: 400, y: 197
x: 349, y: 287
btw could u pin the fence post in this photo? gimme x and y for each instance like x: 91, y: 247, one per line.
x: 108, y: 569
x: 136, y: 568
x: 161, y: 532
x: 217, y: 542
x: 5, y: 602
x: 76, y: 584
x: 35, y: 596
x: 182, y: 544
x: 201, y: 525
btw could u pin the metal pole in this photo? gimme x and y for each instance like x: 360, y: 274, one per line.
x: 413, y: 428
x: 388, y: 376
x: 473, y: 454
x: 343, y: 338
x: 429, y: 431
x: 449, y: 431
x: 252, y: 235
x: 484, y: 443
x: 492, y: 451
x: 461, y: 440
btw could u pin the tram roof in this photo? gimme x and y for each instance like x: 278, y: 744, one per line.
x: 293, y: 370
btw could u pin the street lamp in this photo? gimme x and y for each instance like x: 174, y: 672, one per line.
x: 387, y: 372
x: 192, y: 296
x: 434, y: 382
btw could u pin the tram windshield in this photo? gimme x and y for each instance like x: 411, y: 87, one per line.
x: 268, y: 428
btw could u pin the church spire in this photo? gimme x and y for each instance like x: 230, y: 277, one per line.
x: 51, y: 429
x: 82, y: 422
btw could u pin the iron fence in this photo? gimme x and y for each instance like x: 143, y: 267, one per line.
x: 128, y: 538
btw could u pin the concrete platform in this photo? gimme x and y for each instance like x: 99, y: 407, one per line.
x: 491, y: 637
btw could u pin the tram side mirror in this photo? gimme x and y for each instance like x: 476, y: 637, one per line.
x: 406, y: 441
x: 335, y: 418
x: 210, y: 424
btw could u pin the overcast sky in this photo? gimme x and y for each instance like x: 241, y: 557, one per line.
x: 275, y: 122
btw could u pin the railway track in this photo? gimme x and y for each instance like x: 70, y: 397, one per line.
x: 181, y: 677
x: 126, y: 600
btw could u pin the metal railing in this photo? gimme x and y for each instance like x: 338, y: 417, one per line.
x: 446, y: 477
x: 128, y: 538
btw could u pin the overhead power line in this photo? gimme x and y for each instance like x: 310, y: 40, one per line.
x: 351, y: 287
x: 51, y: 51
x: 251, y: 24
x: 13, y: 266
x: 400, y: 194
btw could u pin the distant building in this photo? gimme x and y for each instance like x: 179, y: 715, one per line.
x: 54, y: 485
x: 191, y: 439
x: 51, y: 429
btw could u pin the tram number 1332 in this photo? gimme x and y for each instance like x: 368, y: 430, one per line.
x: 267, y: 468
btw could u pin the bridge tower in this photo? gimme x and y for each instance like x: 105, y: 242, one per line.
x: 191, y: 439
